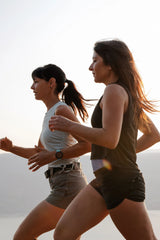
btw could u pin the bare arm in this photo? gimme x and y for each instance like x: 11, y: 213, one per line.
x: 44, y: 157
x: 7, y: 145
x: 115, y: 100
x: 81, y: 147
x: 150, y: 135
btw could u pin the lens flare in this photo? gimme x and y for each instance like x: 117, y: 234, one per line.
x: 107, y: 164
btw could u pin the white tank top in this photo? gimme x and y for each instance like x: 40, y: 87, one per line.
x: 56, y: 140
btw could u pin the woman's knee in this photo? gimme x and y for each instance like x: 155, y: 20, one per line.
x: 58, y: 234
x: 61, y: 234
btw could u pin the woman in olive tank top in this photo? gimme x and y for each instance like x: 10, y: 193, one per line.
x: 118, y: 188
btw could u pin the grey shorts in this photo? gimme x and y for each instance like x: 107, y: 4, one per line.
x: 65, y: 185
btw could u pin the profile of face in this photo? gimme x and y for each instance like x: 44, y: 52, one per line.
x: 41, y: 88
x: 100, y: 70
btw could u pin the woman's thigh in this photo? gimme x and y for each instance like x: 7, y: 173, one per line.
x: 132, y: 220
x: 42, y: 218
x: 85, y: 211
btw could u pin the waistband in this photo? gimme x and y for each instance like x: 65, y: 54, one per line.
x: 71, y: 166
x: 97, y: 164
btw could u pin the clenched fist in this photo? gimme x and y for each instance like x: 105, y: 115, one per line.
x: 6, y: 144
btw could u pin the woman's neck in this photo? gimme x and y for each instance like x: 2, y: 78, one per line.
x: 51, y: 102
x: 113, y: 78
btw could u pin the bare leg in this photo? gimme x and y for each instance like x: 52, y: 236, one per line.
x: 132, y: 220
x: 89, y: 208
x: 86, y: 210
x: 41, y: 219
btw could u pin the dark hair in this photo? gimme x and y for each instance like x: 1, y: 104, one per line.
x: 70, y: 94
x: 116, y: 54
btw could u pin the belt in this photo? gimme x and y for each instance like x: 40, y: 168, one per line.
x: 50, y: 172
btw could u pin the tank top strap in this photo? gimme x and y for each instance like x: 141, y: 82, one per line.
x: 53, y: 109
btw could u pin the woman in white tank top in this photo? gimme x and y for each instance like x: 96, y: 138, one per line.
x: 58, y: 149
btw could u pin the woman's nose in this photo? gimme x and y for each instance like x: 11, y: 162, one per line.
x: 32, y: 86
x: 91, y: 67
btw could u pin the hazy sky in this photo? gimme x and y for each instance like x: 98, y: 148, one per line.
x: 63, y: 32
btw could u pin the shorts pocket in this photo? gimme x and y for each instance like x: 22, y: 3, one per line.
x: 137, y: 189
x: 75, y: 181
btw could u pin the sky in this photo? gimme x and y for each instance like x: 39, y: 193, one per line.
x: 63, y: 32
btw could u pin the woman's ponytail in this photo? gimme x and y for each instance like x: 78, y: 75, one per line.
x: 74, y: 99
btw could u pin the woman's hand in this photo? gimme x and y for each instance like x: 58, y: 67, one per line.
x: 60, y: 123
x: 150, y: 136
x: 6, y: 144
x: 41, y: 158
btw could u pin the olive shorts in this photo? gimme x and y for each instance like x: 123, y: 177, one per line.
x: 65, y: 185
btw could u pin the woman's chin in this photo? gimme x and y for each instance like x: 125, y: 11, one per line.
x: 37, y: 98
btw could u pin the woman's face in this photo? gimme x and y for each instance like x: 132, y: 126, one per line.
x: 101, y: 72
x: 41, y: 88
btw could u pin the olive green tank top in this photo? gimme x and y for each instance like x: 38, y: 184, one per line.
x: 124, y: 155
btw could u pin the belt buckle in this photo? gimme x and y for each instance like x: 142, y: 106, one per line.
x: 68, y: 167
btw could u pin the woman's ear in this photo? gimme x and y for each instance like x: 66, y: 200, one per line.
x: 52, y: 82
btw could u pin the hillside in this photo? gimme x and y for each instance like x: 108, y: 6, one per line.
x: 21, y: 190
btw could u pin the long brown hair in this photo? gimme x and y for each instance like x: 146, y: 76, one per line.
x: 116, y: 54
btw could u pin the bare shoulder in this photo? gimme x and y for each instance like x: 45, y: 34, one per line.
x: 115, y: 89
x: 114, y: 93
x: 66, y: 111
x: 63, y: 110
